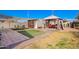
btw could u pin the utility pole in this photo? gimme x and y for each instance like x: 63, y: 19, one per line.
x: 28, y: 14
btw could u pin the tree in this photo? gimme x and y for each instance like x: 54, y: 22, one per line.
x: 77, y: 17
x: 5, y: 16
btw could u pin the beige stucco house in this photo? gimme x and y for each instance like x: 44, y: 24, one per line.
x: 8, y: 23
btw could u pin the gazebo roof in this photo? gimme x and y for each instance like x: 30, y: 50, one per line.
x: 52, y: 17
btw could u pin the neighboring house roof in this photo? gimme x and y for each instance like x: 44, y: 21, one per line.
x: 5, y: 16
x: 52, y: 17
x: 24, y: 23
x: 76, y: 21
x: 65, y: 20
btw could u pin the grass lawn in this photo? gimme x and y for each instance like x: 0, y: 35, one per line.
x: 31, y: 32
x: 56, y: 40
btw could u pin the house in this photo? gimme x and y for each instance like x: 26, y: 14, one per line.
x: 49, y: 22
x: 31, y: 23
x: 75, y: 24
x: 13, y: 23
x: 66, y: 24
x: 24, y: 24
x: 35, y: 23
x: 8, y: 23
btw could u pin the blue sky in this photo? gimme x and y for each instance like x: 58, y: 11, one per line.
x: 25, y: 13
x: 65, y: 14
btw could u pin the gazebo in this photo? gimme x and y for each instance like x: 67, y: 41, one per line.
x: 53, y: 22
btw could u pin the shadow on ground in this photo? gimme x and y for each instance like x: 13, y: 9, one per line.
x: 26, y: 34
x: 12, y: 45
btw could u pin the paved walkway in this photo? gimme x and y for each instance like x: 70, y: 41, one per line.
x: 10, y: 38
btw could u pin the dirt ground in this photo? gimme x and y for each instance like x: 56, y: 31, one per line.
x: 67, y: 38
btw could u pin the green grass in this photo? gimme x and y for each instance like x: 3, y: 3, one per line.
x: 65, y: 43
x: 34, y: 32
x: 30, y: 33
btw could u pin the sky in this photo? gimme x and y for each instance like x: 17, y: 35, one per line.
x: 27, y: 13
x: 64, y: 14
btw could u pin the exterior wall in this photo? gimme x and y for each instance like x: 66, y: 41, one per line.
x: 24, y: 24
x: 31, y: 23
x: 66, y: 24
x: 36, y: 24
x: 40, y: 23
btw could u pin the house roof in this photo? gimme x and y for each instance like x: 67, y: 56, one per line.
x: 52, y: 17
x: 24, y: 23
x: 76, y: 21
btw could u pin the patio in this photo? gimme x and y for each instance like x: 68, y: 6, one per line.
x: 10, y: 38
